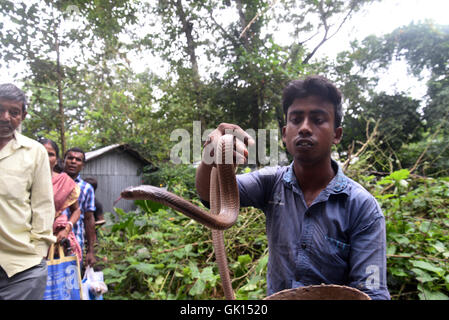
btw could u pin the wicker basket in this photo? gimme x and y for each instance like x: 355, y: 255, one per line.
x: 320, y: 292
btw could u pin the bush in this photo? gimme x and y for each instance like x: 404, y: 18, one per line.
x: 417, y: 222
x: 156, y: 253
x: 177, y: 178
x: 161, y: 254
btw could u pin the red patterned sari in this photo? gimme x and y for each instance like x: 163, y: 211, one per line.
x: 66, y: 193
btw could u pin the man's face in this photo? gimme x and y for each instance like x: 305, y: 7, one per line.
x: 310, y: 133
x: 11, y: 115
x: 73, y: 163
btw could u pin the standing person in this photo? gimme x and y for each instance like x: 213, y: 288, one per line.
x: 98, y: 214
x: 26, y: 204
x: 74, y: 160
x: 66, y: 193
x: 322, y: 227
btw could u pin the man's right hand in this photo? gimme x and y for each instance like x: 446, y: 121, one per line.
x: 240, y: 154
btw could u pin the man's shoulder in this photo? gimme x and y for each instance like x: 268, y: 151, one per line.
x: 360, y: 198
x: 264, y: 174
x: 357, y: 190
x: 27, y: 142
x: 273, y: 171
x: 30, y: 144
x: 84, y: 186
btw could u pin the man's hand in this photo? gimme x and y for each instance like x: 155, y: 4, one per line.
x: 90, y: 258
x: 240, y: 154
x: 62, y: 234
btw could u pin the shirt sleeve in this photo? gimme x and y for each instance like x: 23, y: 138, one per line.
x: 255, y: 187
x: 90, y: 199
x: 42, y: 206
x: 368, y: 271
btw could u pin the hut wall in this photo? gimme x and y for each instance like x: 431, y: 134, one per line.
x: 114, y: 171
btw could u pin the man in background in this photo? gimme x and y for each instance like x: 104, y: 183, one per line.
x: 98, y: 214
x: 84, y: 229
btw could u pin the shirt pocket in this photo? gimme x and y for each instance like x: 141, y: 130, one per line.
x: 331, y: 255
x: 15, y: 184
x: 339, y: 245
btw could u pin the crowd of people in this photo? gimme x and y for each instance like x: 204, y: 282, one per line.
x: 43, y: 200
x: 322, y: 227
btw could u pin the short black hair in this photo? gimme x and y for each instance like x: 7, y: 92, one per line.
x: 76, y: 149
x: 8, y: 91
x: 313, y: 86
x: 92, y: 181
x: 53, y: 144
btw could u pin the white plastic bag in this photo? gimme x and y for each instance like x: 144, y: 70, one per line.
x: 93, y: 285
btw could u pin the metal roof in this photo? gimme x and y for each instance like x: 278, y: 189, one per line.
x: 122, y: 147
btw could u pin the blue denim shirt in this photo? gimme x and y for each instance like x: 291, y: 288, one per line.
x: 339, y: 239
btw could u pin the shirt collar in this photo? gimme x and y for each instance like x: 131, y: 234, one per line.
x: 339, y: 184
x: 78, y: 178
x: 21, y: 141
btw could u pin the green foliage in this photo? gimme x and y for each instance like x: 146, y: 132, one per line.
x: 408, y: 127
x: 179, y: 179
x: 216, y: 74
x: 417, y: 222
x: 156, y: 253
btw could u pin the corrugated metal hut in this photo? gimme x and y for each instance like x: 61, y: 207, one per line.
x: 115, y: 167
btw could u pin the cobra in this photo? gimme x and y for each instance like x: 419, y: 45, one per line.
x: 224, y: 210
x: 224, y: 205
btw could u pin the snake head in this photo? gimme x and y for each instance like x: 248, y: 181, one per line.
x: 127, y: 193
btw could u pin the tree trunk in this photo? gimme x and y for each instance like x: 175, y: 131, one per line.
x: 60, y: 101
x: 187, y: 28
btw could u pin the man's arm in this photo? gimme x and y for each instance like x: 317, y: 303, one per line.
x: 368, y: 270
x: 91, y: 236
x: 89, y: 226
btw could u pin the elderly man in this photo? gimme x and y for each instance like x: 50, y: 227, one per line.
x: 26, y: 204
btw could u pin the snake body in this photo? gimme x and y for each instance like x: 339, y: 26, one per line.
x: 224, y: 205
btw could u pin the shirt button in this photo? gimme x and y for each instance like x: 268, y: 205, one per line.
x: 303, y: 246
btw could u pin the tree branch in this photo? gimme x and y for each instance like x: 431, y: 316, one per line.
x: 257, y: 16
x: 369, y: 137
x: 418, y: 161
x: 326, y: 31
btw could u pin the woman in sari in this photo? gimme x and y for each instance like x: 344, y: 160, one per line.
x: 66, y: 193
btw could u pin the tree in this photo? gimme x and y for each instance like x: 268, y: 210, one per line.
x: 225, y: 62
x: 425, y: 47
x: 45, y: 35
x: 34, y: 38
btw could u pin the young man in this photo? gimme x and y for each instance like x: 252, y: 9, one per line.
x: 27, y: 211
x: 74, y: 160
x: 322, y: 227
